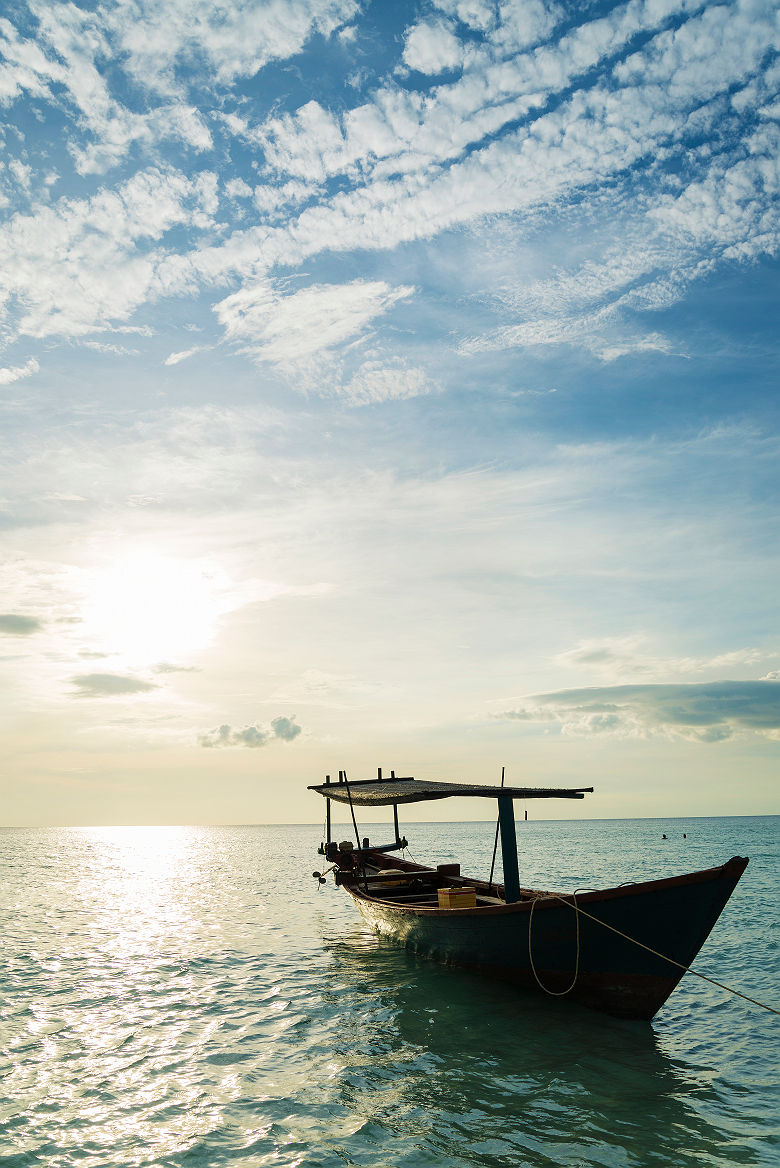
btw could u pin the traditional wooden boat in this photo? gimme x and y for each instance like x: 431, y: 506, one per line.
x: 621, y: 950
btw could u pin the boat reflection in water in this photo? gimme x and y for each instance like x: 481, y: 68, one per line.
x: 471, y: 1073
x: 620, y: 950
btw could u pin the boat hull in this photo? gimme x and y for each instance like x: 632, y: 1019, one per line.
x: 616, y: 941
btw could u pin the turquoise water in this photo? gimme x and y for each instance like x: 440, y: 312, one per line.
x: 186, y: 996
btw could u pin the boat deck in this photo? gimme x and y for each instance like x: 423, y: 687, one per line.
x: 420, y: 886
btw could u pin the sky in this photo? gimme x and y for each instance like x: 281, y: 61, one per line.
x: 388, y: 384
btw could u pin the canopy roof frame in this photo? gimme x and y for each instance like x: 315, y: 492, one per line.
x: 390, y: 792
x: 393, y: 791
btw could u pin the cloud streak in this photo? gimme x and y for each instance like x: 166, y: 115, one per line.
x: 707, y: 712
x: 109, y: 685
x: 16, y: 625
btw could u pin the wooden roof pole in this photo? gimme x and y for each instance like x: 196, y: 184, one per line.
x: 506, y: 821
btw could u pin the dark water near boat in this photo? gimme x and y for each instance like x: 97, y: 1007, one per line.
x: 185, y: 996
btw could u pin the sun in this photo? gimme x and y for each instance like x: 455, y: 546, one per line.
x: 149, y: 607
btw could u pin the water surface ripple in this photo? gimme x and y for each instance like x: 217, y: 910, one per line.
x: 185, y: 996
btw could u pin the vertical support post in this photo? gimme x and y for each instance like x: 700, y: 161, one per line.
x: 506, y: 820
x: 327, y: 814
x: 395, y: 818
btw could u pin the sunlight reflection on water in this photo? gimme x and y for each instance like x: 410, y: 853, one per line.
x: 178, y: 996
x: 140, y: 886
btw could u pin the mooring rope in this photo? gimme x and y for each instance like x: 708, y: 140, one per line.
x: 554, y: 993
x: 578, y: 909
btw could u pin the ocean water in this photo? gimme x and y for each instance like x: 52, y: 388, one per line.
x: 188, y: 996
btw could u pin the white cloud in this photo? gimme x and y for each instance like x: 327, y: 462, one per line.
x: 378, y: 381
x: 432, y: 48
x: 65, y: 59
x: 734, y: 207
x: 104, y: 347
x: 651, y: 343
x: 236, y: 188
x: 17, y: 372
x: 120, y: 129
x: 479, y: 14
x: 62, y: 63
x: 176, y: 358
x: 601, y: 333
x: 25, y: 67
x: 74, y: 266
x: 681, y: 59
x: 277, y: 201
x: 287, y: 330
x: 592, y: 138
x: 21, y: 172
x: 236, y: 41
x: 400, y: 132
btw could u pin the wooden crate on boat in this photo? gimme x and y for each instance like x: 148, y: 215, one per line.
x: 457, y: 898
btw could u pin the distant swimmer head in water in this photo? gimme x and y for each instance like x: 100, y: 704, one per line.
x: 663, y: 836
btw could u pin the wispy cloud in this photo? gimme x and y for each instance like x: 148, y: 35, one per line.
x: 176, y: 358
x: 17, y: 625
x: 287, y: 329
x: 631, y: 655
x: 378, y: 380
x: 306, y: 335
x: 707, y: 712
x: 109, y: 685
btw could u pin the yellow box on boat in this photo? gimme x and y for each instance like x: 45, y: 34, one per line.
x: 457, y: 898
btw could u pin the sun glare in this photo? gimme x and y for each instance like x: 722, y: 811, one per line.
x: 149, y: 607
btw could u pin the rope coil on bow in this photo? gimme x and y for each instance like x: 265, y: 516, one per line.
x: 539, y: 982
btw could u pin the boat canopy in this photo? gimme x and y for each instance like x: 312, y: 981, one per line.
x: 385, y: 792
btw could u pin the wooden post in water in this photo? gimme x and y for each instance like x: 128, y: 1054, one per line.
x: 506, y: 820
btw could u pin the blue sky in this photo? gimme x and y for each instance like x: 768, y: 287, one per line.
x: 388, y: 384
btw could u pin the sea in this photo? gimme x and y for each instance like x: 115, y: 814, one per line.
x: 182, y: 996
